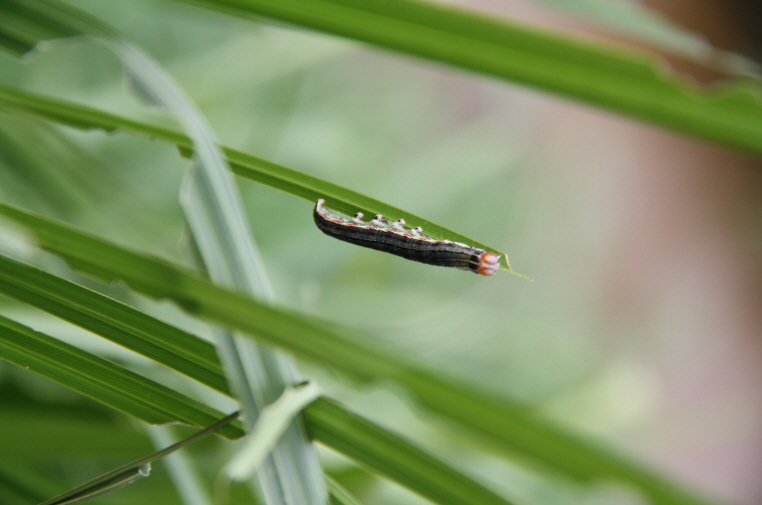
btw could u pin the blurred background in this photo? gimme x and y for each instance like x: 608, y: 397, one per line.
x: 641, y: 323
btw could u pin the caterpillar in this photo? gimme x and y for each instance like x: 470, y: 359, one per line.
x: 395, y: 238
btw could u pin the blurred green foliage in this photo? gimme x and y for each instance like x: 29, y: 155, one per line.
x: 458, y: 149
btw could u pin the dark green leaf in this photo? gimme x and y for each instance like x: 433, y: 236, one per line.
x: 330, y: 423
x: 507, y: 426
x: 115, y: 321
x: 101, y: 380
x: 628, y: 81
x: 245, y: 165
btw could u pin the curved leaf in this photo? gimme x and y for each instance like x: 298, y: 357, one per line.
x: 393, y: 456
x: 508, y: 426
x: 627, y: 81
x: 329, y: 422
x: 115, y: 321
x: 246, y: 165
x: 102, y: 380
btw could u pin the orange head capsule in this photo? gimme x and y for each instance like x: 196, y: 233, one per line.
x: 488, y: 263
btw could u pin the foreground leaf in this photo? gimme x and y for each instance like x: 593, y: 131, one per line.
x: 330, y: 423
x: 102, y: 380
x: 129, y: 472
x: 119, y: 323
x: 254, y: 168
x: 507, y: 426
x: 393, y: 456
x: 627, y: 81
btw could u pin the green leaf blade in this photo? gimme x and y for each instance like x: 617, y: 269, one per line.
x: 100, y: 379
x: 394, y: 457
x: 117, y: 322
x: 507, y: 426
x: 330, y: 423
x: 626, y: 81
x: 245, y: 165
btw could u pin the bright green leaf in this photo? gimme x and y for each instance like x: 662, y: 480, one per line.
x: 507, y: 426
x: 115, y: 321
x: 627, y: 81
x: 330, y: 423
x: 394, y: 456
x: 245, y: 165
x: 102, y: 380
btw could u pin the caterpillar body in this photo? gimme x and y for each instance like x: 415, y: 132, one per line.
x: 395, y: 238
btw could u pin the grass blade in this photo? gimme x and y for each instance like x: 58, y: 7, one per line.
x: 102, y: 380
x: 394, y: 457
x: 129, y: 472
x: 510, y: 427
x: 219, y: 228
x: 22, y: 26
x: 330, y: 423
x: 339, y: 495
x: 245, y: 165
x: 627, y: 81
x: 119, y: 323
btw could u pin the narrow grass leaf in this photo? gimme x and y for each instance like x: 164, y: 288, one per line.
x: 100, y: 379
x: 329, y: 422
x: 115, y: 321
x: 92, y: 491
x: 129, y: 472
x: 305, y: 186
x: 22, y: 26
x: 181, y: 468
x: 509, y: 427
x: 394, y: 457
x: 214, y: 211
x: 627, y: 81
x: 339, y: 495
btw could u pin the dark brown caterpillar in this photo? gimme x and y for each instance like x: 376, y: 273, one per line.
x: 410, y: 243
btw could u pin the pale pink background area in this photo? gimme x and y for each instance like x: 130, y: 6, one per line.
x: 678, y: 253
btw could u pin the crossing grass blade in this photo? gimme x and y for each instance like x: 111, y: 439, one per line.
x: 102, y: 380
x: 631, y: 82
x: 115, y: 321
x: 339, y: 495
x: 509, y: 427
x: 299, y: 184
x: 329, y: 422
x: 129, y: 472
